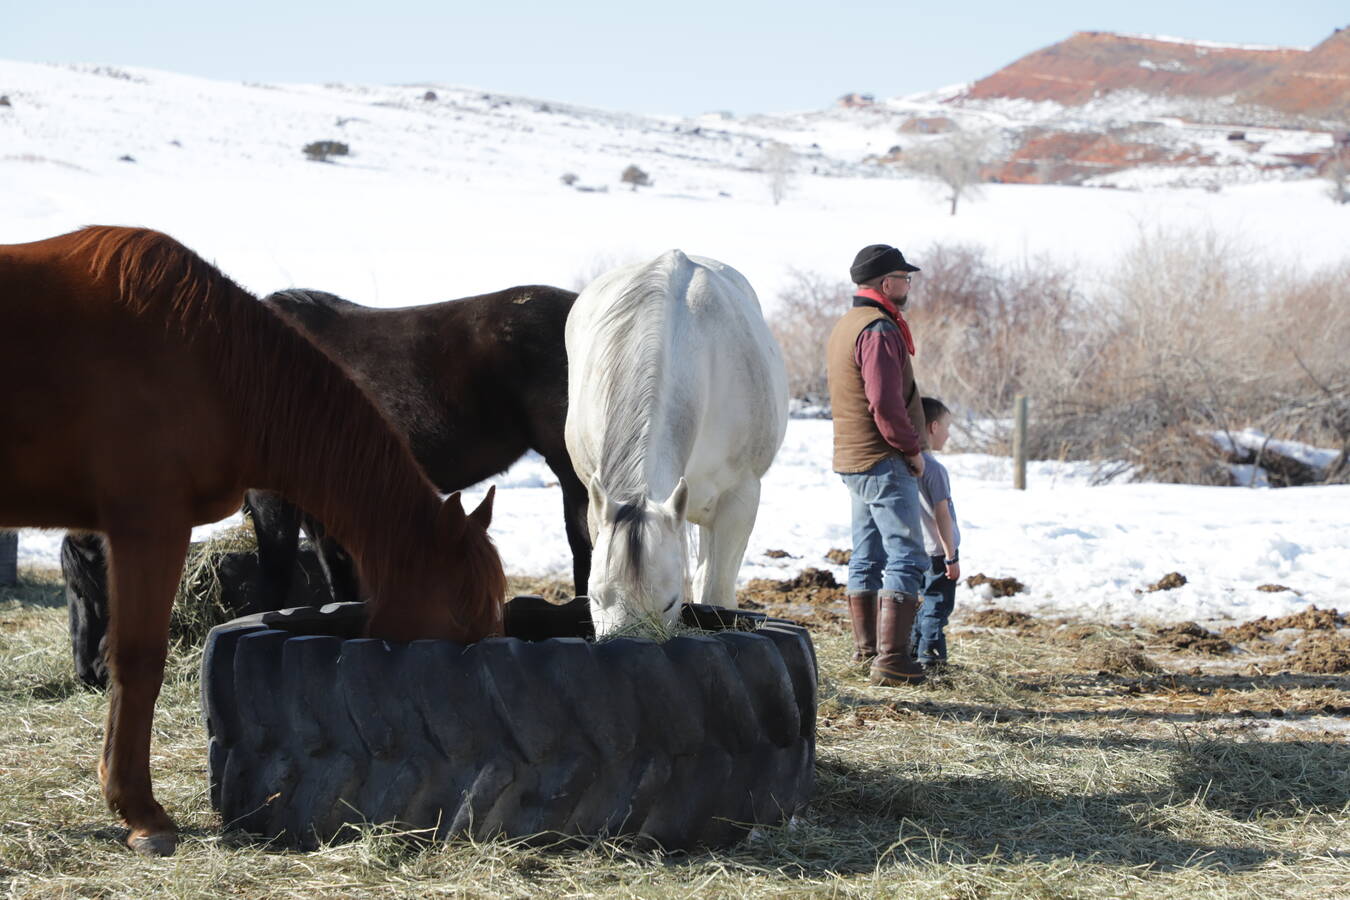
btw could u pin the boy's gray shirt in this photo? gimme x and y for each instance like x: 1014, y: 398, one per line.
x: 934, y: 487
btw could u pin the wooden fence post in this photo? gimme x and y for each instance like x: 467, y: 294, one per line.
x: 1019, y: 447
x: 9, y: 558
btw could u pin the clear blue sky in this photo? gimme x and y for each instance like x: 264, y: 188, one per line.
x: 687, y: 57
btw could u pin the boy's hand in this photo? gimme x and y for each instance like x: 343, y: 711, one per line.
x: 954, y: 571
x: 915, y: 464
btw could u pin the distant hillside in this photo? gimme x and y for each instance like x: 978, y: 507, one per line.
x: 1112, y: 110
x: 1296, y: 85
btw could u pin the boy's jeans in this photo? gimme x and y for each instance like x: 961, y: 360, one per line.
x: 887, y: 541
x: 939, y: 596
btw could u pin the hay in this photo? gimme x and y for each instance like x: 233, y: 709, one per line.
x: 1191, y: 637
x: 1019, y: 776
x: 1117, y: 658
x: 199, y: 604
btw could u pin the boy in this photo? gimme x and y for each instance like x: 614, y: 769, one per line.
x: 942, y: 540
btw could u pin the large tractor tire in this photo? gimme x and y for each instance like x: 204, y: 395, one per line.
x: 691, y: 742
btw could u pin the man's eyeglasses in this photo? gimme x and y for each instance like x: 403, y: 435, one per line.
x: 904, y: 276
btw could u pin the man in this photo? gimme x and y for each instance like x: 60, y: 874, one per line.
x: 879, y: 436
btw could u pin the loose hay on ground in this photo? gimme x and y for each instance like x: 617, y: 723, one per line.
x: 1020, y: 775
x: 1118, y: 658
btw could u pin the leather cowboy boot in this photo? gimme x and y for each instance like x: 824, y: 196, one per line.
x: 895, y: 618
x: 862, y: 611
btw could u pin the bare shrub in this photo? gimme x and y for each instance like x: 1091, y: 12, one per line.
x: 320, y: 151
x: 635, y: 177
x: 806, y: 312
x: 986, y: 330
x: 1189, y: 334
x: 1199, y: 333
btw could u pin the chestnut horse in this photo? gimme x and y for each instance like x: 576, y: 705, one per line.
x: 473, y: 383
x: 147, y: 391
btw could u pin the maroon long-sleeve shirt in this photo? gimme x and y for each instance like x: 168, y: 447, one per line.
x: 879, y: 353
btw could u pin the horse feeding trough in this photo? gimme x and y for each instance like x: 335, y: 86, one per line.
x: 691, y: 742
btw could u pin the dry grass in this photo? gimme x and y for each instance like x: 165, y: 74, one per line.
x: 1022, y: 773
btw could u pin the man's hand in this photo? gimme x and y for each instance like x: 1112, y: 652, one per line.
x: 954, y: 571
x: 915, y: 464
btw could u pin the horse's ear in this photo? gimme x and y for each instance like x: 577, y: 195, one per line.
x: 452, y: 515
x: 482, y: 514
x: 678, y: 501
x: 602, y: 508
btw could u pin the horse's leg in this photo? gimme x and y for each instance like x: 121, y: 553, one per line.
x: 721, y: 545
x: 276, y: 522
x: 335, y: 561
x: 144, y: 567
x: 575, y: 504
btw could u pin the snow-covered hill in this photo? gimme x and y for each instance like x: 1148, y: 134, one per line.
x: 1089, y: 552
x: 462, y: 193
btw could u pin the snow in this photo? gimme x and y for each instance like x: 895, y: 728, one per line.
x: 461, y: 195
x: 437, y: 198
x: 1082, y: 550
x: 1258, y: 441
x: 1215, y: 45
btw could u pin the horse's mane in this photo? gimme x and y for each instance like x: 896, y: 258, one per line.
x: 304, y: 413
x: 307, y: 297
x: 632, y: 334
x: 316, y: 309
x: 629, y: 522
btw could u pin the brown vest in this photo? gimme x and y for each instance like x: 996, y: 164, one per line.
x: 858, y: 444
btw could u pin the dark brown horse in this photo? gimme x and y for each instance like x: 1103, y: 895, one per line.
x: 147, y: 391
x: 474, y: 383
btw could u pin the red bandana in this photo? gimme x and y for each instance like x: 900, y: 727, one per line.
x: 890, y: 307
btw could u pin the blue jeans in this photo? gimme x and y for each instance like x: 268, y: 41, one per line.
x: 939, y: 597
x: 888, y: 550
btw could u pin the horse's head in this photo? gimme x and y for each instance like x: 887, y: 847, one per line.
x: 638, y: 563
x: 459, y: 596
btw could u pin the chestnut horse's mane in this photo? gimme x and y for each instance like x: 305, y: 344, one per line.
x: 308, y: 431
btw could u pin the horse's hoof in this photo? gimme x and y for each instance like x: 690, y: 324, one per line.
x: 154, y: 843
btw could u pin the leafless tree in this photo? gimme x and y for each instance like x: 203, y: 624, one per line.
x: 1337, y: 170
x: 778, y: 162
x: 953, y: 162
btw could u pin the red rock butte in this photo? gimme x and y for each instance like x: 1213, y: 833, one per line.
x: 1298, y: 83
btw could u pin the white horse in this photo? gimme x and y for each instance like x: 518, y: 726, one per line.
x: 677, y: 403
